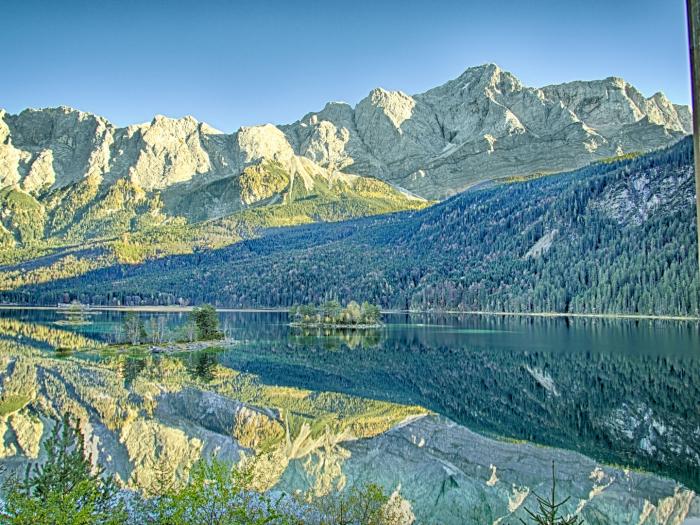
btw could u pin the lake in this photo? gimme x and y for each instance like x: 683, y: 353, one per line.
x: 624, y: 392
x: 556, y: 381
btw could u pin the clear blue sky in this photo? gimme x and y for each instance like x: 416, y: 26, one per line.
x: 235, y: 63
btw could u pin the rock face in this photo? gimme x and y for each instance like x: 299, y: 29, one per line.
x: 482, y: 125
x: 485, y: 124
x: 73, y: 176
x: 635, y: 198
x: 454, y: 476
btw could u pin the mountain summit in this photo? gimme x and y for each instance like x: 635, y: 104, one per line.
x: 69, y: 174
x: 486, y: 124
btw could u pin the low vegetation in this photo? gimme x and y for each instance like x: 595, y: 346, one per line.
x: 66, y: 488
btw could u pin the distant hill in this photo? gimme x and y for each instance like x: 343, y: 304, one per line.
x: 615, y: 237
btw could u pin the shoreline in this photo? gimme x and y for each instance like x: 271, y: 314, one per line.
x: 554, y: 314
x: 164, y: 309
x: 336, y: 326
x: 184, y: 309
x: 169, y: 348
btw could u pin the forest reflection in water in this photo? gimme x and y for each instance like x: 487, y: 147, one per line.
x: 622, y: 391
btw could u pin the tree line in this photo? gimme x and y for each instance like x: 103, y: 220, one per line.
x: 471, y: 252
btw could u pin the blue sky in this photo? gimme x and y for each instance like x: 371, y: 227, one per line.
x: 234, y: 63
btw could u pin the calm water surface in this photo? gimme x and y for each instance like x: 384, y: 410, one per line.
x: 622, y: 391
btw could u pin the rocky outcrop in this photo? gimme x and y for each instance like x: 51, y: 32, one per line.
x: 248, y: 425
x: 451, y: 475
x: 635, y: 198
x: 482, y: 125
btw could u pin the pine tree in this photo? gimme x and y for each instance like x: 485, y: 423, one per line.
x: 206, y: 320
x: 548, y: 511
x: 66, y: 488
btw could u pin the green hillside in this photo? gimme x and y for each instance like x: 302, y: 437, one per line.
x: 90, y: 225
x: 614, y: 237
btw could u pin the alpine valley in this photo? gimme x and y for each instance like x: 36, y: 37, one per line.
x: 460, y: 212
x: 79, y: 194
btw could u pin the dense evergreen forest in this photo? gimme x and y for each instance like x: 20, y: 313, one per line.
x: 613, y: 237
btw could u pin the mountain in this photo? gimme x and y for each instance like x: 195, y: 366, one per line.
x: 483, y: 125
x: 613, y: 237
x: 68, y: 176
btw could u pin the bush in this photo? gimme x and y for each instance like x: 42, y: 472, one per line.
x: 363, y: 505
x: 65, y: 489
x: 216, y: 494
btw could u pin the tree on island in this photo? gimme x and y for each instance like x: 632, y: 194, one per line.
x: 206, y: 320
x: 157, y: 326
x: 133, y: 328
x: 189, y: 330
x: 332, y: 313
x: 352, y: 313
x: 371, y: 313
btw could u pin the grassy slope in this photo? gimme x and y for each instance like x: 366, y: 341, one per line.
x: 79, y: 229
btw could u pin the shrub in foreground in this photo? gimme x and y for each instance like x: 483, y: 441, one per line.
x: 65, y: 489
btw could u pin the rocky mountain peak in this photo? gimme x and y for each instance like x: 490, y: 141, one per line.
x: 263, y: 142
x: 434, y: 143
x: 396, y: 105
x: 487, y: 78
x: 162, y: 120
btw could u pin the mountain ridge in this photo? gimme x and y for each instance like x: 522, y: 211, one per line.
x: 70, y: 176
x: 597, y: 110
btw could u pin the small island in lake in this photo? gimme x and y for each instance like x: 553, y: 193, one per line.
x: 332, y: 315
x: 200, y: 332
x: 75, y: 314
